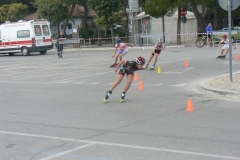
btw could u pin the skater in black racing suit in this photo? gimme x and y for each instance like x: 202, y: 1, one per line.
x: 128, y: 68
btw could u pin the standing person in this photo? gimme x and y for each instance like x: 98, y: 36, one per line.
x: 226, y: 46
x: 61, y: 37
x: 209, y: 31
x: 122, y: 50
x: 128, y: 68
x: 116, y: 38
x: 156, y: 51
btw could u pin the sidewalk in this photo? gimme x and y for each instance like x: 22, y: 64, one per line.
x: 221, y: 86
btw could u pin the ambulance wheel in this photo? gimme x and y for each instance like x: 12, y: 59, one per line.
x: 43, y: 52
x: 10, y: 54
x: 25, y: 51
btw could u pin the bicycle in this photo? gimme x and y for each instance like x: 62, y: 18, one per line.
x: 201, y: 41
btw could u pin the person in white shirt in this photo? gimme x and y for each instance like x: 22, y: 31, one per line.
x: 122, y: 50
x: 156, y: 51
x: 226, y: 45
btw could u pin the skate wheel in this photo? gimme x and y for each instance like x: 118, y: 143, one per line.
x: 120, y: 100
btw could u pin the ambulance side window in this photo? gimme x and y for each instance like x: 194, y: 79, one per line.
x: 37, y: 29
x: 23, y: 34
x: 45, y: 30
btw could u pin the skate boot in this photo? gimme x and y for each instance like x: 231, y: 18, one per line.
x: 122, y: 97
x: 113, y: 65
x: 145, y: 66
x: 107, y: 96
x: 152, y: 67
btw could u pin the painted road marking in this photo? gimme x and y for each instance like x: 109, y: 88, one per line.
x: 89, y: 143
x: 66, y: 152
x: 179, y: 85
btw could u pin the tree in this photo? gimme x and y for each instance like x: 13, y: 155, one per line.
x: 5, y: 2
x: 13, y: 12
x: 160, y: 8
x: 54, y: 10
x: 108, y: 12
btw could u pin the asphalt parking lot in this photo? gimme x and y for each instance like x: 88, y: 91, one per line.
x: 52, y: 108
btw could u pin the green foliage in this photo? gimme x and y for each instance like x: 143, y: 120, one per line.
x: 54, y: 10
x: 85, y: 33
x: 13, y: 12
x: 5, y: 2
x: 108, y: 12
x: 159, y: 8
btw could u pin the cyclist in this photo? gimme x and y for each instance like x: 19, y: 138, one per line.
x: 128, y: 68
x: 156, y: 51
x: 122, y: 51
x: 209, y: 31
x: 226, y: 45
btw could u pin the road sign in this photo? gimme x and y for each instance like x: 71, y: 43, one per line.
x: 224, y: 4
x: 133, y: 5
x: 183, y: 12
x: 184, y: 19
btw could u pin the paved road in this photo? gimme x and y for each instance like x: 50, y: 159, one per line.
x: 52, y: 108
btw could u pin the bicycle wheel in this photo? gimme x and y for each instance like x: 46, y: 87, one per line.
x: 200, y: 42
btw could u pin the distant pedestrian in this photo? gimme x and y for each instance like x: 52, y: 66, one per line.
x: 61, y: 37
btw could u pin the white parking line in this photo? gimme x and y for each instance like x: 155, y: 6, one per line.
x: 80, y: 77
x: 120, y: 145
x: 66, y: 152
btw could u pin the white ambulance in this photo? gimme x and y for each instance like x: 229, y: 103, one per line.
x: 25, y: 37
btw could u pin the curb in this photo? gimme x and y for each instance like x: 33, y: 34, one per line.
x: 112, y: 48
x: 219, y: 92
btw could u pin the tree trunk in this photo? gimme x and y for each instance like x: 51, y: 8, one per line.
x: 84, y: 24
x: 70, y: 15
x: 112, y: 35
x: 197, y: 15
x: 58, y: 29
x: 179, y: 27
x: 215, y: 22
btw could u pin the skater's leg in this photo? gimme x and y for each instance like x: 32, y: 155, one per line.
x: 156, y: 57
x: 152, y: 54
x: 222, y: 51
x: 119, y: 79
x: 227, y: 51
x: 128, y: 84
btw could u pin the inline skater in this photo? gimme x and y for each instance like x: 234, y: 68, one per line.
x: 122, y: 50
x: 128, y: 68
x: 156, y: 51
x: 226, y: 46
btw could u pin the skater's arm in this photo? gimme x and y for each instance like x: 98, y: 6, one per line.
x: 220, y: 42
x: 129, y: 44
x: 114, y: 52
x: 119, y: 64
x: 234, y: 46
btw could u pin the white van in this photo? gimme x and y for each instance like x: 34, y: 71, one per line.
x: 25, y: 37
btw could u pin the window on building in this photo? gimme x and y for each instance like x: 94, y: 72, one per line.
x: 69, y: 25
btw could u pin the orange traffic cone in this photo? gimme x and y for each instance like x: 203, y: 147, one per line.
x: 186, y: 63
x: 236, y: 56
x: 190, y: 105
x: 141, y: 87
x: 136, y: 77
